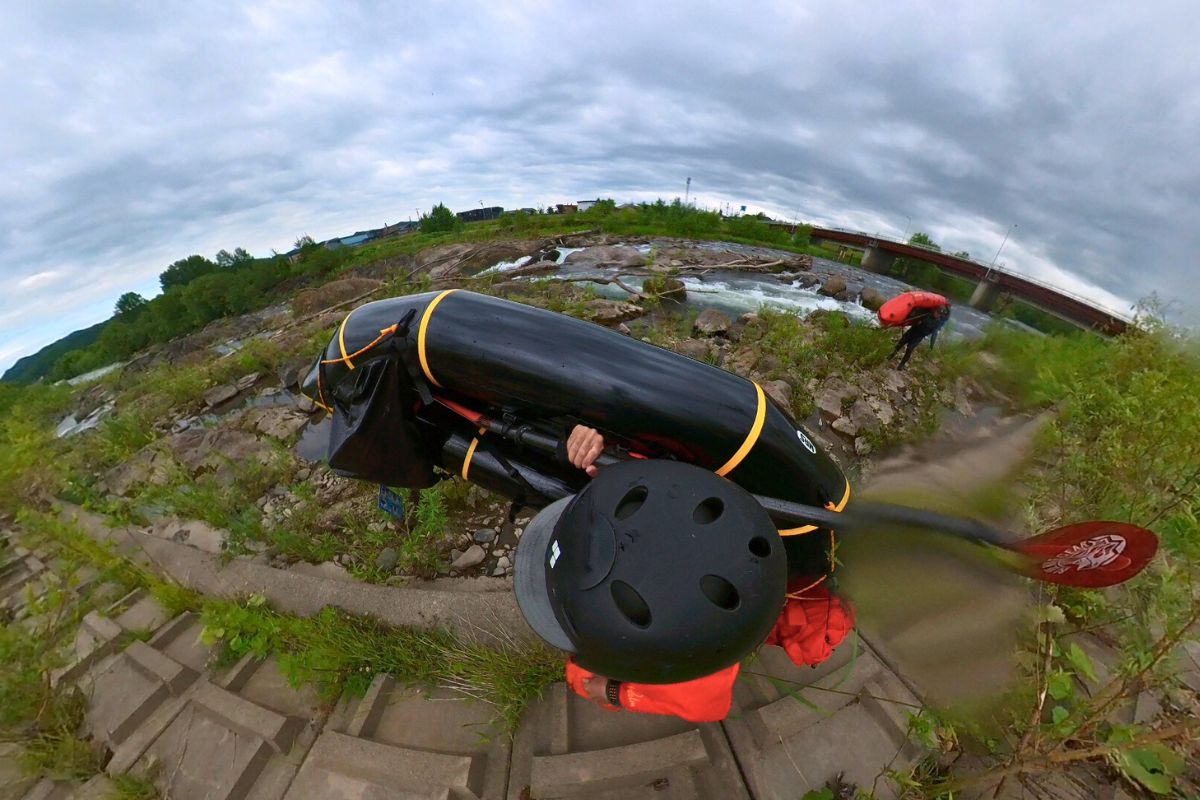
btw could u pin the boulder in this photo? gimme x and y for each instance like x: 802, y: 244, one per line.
x: 293, y: 374
x: 310, y: 301
x: 387, y: 559
x: 452, y: 260
x: 807, y: 281
x: 830, y: 396
x: 712, y: 322
x: 533, y: 268
x: 276, y: 422
x: 606, y: 256
x: 872, y: 298
x: 473, y: 556
x: 742, y: 361
x: 750, y: 327
x: 780, y: 392
x: 610, y: 312
x: 694, y: 348
x: 305, y: 404
x: 861, y: 446
x: 198, y: 449
x: 666, y: 288
x: 220, y: 394
x: 246, y: 381
x: 623, y: 328
x: 883, y: 410
x: 845, y: 426
x: 769, y: 364
x: 484, y: 535
x: 147, y: 466
x: 832, y: 285
x: 863, y: 416
x: 845, y: 296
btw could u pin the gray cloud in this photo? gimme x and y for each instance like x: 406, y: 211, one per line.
x: 133, y: 138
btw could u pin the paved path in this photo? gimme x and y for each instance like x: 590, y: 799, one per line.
x: 241, y: 732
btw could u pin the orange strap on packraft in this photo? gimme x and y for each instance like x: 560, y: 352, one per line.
x: 808, y: 630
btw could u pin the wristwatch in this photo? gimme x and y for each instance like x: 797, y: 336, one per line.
x: 612, y: 691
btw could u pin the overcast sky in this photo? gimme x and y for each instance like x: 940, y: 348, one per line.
x: 134, y: 137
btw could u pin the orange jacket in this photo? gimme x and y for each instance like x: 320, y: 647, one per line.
x: 808, y: 630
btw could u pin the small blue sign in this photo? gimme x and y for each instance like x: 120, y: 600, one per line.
x: 391, y: 501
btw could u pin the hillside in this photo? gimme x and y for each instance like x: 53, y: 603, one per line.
x: 38, y: 365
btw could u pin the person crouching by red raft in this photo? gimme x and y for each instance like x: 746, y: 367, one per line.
x: 922, y: 313
x: 657, y: 579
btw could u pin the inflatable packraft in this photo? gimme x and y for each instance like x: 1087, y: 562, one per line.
x: 395, y: 370
x: 899, y: 310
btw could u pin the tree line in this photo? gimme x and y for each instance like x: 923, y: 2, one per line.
x: 195, y: 291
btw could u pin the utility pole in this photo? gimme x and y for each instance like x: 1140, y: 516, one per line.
x: 1011, y: 228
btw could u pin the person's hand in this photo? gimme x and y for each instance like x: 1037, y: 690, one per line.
x: 584, y: 446
x: 595, y: 686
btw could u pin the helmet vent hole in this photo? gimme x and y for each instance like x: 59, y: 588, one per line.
x: 760, y: 547
x: 631, y: 604
x: 720, y: 592
x: 708, y: 511
x: 631, y: 502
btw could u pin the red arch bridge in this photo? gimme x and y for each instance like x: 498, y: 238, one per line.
x: 879, y: 255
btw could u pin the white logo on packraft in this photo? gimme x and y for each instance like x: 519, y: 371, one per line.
x: 807, y: 442
x: 1092, y: 553
x: 554, y: 553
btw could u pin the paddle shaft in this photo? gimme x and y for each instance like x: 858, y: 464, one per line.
x: 782, y: 512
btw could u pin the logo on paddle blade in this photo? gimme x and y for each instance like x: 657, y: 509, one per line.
x: 1094, y: 553
x: 807, y: 442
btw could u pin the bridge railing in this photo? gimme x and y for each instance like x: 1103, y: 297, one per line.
x: 990, y: 268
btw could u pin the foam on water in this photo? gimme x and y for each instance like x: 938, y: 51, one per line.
x: 505, y: 266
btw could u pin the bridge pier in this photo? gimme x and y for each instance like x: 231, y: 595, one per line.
x: 985, y: 295
x: 877, y: 260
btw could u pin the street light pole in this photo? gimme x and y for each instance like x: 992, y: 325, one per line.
x: 992, y: 266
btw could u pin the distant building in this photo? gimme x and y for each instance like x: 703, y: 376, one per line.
x: 584, y: 205
x: 480, y: 214
x: 566, y: 208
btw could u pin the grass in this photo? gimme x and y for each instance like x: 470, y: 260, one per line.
x: 45, y: 720
x: 127, y: 786
x: 334, y: 651
x: 1120, y: 446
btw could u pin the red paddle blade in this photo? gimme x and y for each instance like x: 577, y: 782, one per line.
x: 1089, y: 554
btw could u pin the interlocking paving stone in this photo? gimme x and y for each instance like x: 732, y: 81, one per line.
x: 95, y: 638
x: 201, y: 757
x: 144, y: 614
x: 13, y: 782
x: 47, y: 789
x: 568, y: 747
x: 267, y: 687
x: 180, y: 639
x: 787, y: 746
x: 432, y: 721
x: 346, y: 766
x: 100, y: 787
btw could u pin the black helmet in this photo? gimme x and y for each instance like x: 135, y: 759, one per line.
x: 656, y: 572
